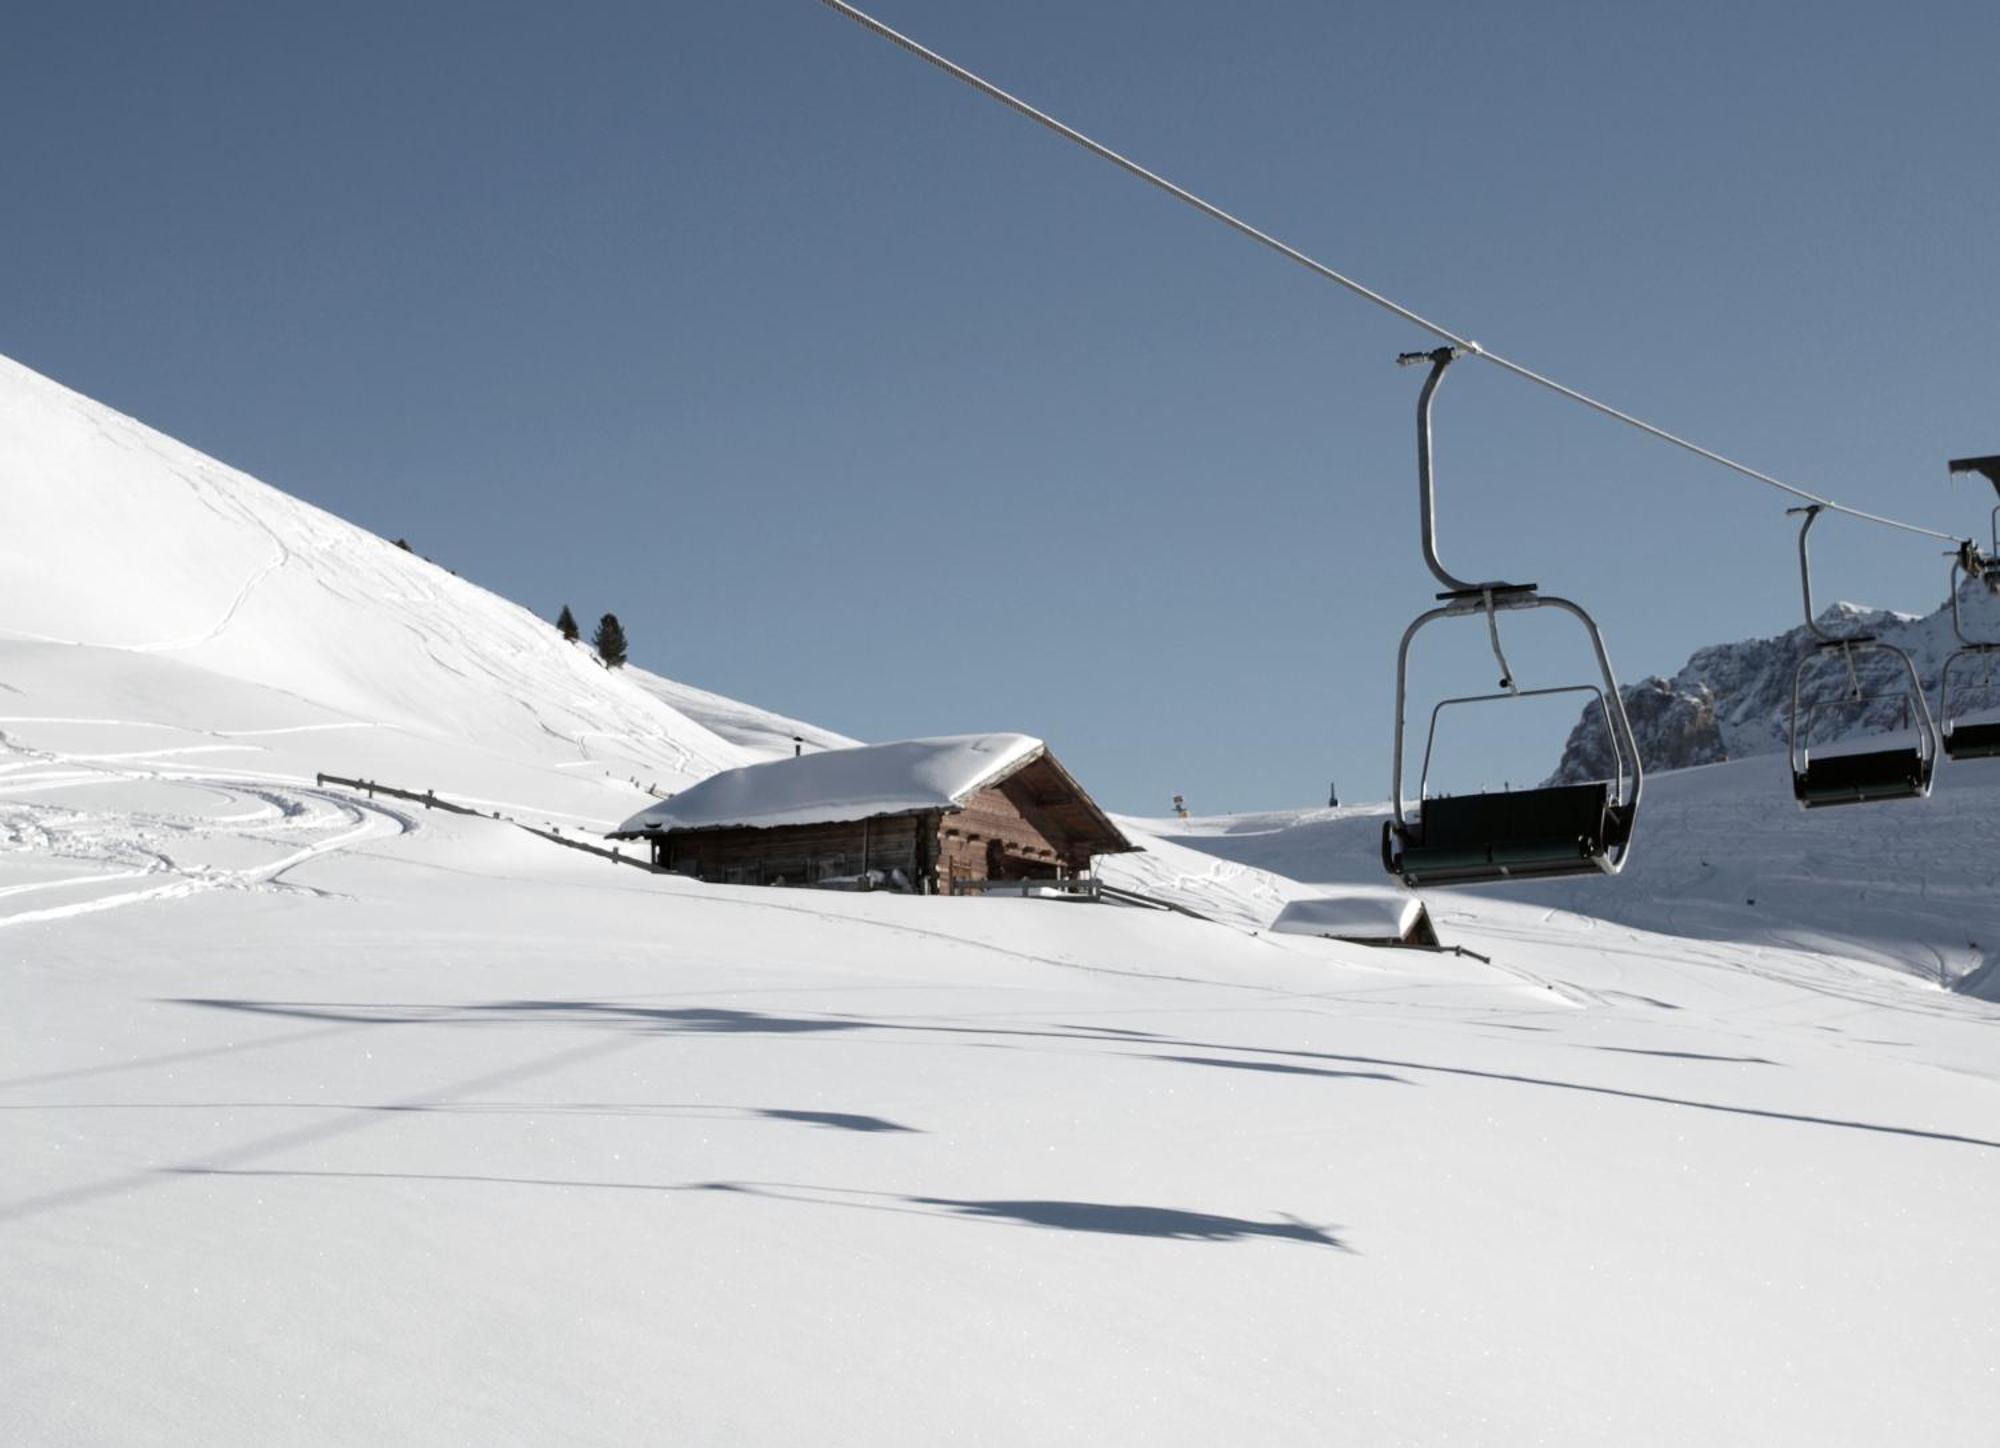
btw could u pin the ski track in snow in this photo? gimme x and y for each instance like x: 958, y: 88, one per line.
x: 366, y: 821
x: 164, y: 845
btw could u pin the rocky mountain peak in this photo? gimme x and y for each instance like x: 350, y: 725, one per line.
x: 1734, y: 699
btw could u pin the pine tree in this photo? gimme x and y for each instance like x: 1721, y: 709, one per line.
x: 609, y: 641
x: 566, y: 624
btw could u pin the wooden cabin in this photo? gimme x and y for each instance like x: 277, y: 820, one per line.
x: 929, y: 816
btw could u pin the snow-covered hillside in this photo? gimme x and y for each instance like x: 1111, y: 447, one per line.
x: 332, y: 1119
x: 118, y: 537
x: 1733, y: 700
x: 758, y: 732
x: 1721, y: 853
x: 155, y: 573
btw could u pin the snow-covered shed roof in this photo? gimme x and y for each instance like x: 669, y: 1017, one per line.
x: 1381, y: 916
x: 910, y: 776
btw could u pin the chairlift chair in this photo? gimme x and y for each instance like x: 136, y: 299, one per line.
x: 1899, y: 772
x: 1558, y: 830
x: 1971, y: 739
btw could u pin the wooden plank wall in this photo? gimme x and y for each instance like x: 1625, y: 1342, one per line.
x: 798, y: 854
x: 994, y: 837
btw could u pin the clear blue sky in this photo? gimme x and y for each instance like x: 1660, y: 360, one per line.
x: 857, y: 396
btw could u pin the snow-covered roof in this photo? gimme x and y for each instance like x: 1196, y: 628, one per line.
x: 910, y: 776
x: 1357, y: 915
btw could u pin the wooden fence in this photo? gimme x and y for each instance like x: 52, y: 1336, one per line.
x: 429, y: 800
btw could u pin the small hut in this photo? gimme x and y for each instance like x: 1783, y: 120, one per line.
x: 926, y: 815
x: 1362, y: 917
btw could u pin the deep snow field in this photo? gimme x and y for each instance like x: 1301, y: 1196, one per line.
x: 330, y: 1119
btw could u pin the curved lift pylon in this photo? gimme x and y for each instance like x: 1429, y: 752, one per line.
x: 1571, y: 829
x: 1854, y: 776
x: 1971, y: 739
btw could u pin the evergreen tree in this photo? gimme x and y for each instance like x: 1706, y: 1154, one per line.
x: 609, y: 641
x: 566, y: 624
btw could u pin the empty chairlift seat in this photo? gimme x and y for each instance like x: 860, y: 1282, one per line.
x: 1570, y: 829
x: 1874, y: 767
x: 1972, y: 738
x: 1862, y: 771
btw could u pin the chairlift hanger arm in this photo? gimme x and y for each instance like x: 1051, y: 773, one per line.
x: 1812, y: 512
x: 1439, y: 359
x: 1805, y: 567
x: 1462, y: 595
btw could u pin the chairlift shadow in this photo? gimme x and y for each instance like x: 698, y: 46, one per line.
x: 1124, y: 1220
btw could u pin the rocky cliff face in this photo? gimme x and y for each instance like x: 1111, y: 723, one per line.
x: 1675, y: 726
x: 1735, y: 699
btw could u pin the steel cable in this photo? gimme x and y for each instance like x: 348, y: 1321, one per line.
x: 1388, y: 304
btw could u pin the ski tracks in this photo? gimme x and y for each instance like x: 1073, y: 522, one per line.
x: 160, y: 844
x: 364, y: 820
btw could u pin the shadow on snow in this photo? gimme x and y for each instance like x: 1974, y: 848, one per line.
x: 1115, y: 1219
x: 711, y: 1020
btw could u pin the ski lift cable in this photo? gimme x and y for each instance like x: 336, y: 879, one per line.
x: 1388, y: 304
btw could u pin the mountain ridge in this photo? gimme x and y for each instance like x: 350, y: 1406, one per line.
x: 1735, y: 699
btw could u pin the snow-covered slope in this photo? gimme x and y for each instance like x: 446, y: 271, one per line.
x: 118, y: 537
x: 1237, y: 894
x: 332, y: 1119
x: 444, y: 1135
x: 758, y: 732
x: 163, y: 572
x: 1732, y: 700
